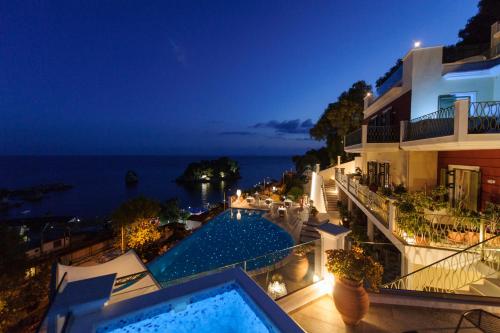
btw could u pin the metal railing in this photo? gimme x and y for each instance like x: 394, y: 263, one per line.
x: 444, y: 231
x: 377, y: 204
x: 432, y: 125
x: 484, y: 117
x: 381, y: 134
x: 454, y: 273
x: 353, y: 138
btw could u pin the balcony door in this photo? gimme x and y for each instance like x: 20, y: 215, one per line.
x: 464, y: 183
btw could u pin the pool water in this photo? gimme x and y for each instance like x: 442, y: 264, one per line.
x: 224, y: 309
x: 231, y: 237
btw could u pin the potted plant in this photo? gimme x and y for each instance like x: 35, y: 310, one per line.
x: 298, y: 267
x: 352, y: 269
x: 314, y: 211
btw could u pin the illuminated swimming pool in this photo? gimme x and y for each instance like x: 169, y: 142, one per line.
x: 224, y: 302
x: 231, y: 237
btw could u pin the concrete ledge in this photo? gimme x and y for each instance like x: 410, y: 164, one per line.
x: 303, y: 296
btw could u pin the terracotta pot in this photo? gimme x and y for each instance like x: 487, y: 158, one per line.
x: 351, y: 300
x: 297, y: 268
x: 456, y: 237
x: 421, y: 241
x: 472, y: 238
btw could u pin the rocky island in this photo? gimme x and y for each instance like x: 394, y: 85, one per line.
x: 211, y: 171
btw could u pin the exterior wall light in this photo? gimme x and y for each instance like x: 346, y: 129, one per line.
x: 417, y: 44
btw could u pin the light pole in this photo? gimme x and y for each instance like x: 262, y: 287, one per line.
x: 41, y: 235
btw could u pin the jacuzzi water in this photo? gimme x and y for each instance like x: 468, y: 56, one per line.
x: 231, y: 237
x: 224, y: 309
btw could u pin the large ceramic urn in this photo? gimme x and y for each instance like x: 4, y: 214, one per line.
x: 351, y: 300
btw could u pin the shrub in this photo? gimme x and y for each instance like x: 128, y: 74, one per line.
x: 354, y: 265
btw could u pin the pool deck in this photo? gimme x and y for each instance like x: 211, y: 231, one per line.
x: 291, y: 222
x: 321, y: 316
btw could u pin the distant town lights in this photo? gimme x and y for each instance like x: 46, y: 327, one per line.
x: 417, y: 44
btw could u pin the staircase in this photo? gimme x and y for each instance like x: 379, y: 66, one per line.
x: 472, y: 271
x: 332, y: 198
x: 330, y: 194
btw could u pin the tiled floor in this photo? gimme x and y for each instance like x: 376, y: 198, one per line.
x: 321, y: 316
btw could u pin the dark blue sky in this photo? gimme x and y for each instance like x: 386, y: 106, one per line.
x: 186, y: 77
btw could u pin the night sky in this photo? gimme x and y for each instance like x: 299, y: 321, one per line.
x: 195, y: 77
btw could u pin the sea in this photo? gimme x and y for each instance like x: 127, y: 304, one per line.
x: 99, y: 181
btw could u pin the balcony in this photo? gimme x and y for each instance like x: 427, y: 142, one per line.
x: 433, y: 229
x: 432, y: 125
x: 373, y: 138
x: 464, y: 126
x: 353, y: 138
x: 393, y: 80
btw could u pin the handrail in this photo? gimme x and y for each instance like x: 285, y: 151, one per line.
x: 445, y: 258
x: 46, y: 312
x: 353, y: 138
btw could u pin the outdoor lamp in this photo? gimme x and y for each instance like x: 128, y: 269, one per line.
x: 238, y: 193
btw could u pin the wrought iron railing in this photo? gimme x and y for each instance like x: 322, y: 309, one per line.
x: 378, y: 205
x: 353, y: 138
x: 454, y: 273
x: 381, y: 134
x: 432, y: 125
x: 484, y: 117
x: 443, y: 231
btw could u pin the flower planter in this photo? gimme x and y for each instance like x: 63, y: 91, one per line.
x: 351, y: 300
x: 471, y: 237
x: 456, y: 237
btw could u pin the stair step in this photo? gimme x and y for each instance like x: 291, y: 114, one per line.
x: 485, y: 290
x: 494, y: 283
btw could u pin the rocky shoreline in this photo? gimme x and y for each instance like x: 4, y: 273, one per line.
x: 10, y: 198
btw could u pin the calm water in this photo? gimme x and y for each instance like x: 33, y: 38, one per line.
x: 231, y: 237
x: 99, y: 184
x: 225, y: 309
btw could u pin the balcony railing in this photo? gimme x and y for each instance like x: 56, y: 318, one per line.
x: 484, y: 117
x: 377, y: 204
x: 353, y: 138
x: 444, y: 230
x: 382, y: 134
x: 433, y: 125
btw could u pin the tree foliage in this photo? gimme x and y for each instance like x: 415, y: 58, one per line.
x: 134, y: 210
x: 339, y: 119
x: 142, y: 234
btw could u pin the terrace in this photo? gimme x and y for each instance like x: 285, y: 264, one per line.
x: 440, y: 229
x: 373, y: 138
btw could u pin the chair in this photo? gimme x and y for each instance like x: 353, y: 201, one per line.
x: 483, y: 320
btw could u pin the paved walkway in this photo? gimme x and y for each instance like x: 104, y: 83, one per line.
x: 321, y: 316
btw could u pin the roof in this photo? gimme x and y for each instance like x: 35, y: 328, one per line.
x: 127, y: 264
x: 333, y: 229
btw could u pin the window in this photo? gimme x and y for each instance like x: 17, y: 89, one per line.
x: 372, y: 172
x: 383, y: 176
x: 446, y: 101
